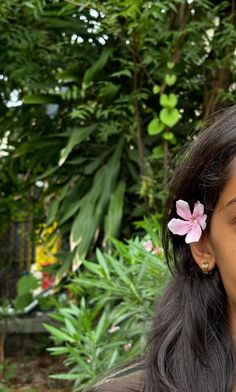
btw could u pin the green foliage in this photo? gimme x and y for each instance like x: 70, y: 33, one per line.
x: 96, y: 68
x: 109, y: 92
x: 76, y: 137
x: 155, y: 127
x: 169, y: 117
x: 25, y: 288
x: 170, y: 79
x: 109, y: 308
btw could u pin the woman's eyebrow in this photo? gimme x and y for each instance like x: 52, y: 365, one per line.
x: 231, y: 202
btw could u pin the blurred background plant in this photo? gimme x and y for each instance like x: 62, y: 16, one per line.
x: 104, y: 315
x: 96, y: 99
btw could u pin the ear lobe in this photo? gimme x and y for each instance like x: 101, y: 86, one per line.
x: 202, y: 252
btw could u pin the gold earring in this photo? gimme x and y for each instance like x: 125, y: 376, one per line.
x: 205, y: 268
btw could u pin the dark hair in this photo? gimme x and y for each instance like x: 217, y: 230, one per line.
x: 190, y: 346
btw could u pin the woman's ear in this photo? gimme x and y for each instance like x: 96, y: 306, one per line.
x: 203, y: 253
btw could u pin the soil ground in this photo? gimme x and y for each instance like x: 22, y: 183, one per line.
x: 31, y: 373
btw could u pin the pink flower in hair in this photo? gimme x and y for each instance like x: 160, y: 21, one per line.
x: 192, y: 225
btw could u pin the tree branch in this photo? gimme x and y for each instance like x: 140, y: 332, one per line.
x: 138, y: 118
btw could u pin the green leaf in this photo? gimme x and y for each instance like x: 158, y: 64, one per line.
x: 68, y: 76
x: 65, y: 266
x: 170, y: 79
x: 109, y: 90
x: 70, y: 211
x: 86, y: 221
x: 156, y: 89
x: 102, y: 326
x: 57, y: 333
x: 94, y: 204
x: 115, y: 212
x: 155, y: 127
x: 93, y: 267
x: 70, y: 327
x: 22, y: 301
x: 84, y: 226
x: 34, y: 145
x: 170, y: 117
x: 40, y: 99
x: 93, y: 71
x: 168, y: 101
x: 170, y: 65
x: 69, y: 25
x: 57, y: 350
x: 113, y: 358
x: 26, y: 284
x: 168, y: 136
x: 67, y: 376
x: 103, y: 263
x: 47, y: 173
x: 94, y: 165
x: 53, y: 208
x: 77, y: 136
x: 123, y: 72
x: 120, y: 270
x: 157, y: 152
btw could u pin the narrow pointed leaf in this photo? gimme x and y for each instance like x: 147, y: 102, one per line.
x: 77, y: 136
x: 92, y: 72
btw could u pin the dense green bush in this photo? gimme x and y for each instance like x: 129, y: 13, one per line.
x: 106, y: 316
x: 109, y: 92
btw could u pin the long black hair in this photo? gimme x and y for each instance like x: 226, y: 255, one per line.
x: 190, y: 347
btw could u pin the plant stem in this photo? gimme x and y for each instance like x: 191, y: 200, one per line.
x: 137, y: 113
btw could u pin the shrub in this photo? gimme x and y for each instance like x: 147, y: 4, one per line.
x: 108, y: 309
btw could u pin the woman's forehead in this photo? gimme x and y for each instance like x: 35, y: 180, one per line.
x: 228, y: 196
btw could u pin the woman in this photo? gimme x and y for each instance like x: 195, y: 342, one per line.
x: 193, y: 339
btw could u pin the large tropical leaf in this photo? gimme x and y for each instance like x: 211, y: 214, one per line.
x: 77, y: 136
x: 94, y: 70
x: 94, y: 203
x: 115, y: 212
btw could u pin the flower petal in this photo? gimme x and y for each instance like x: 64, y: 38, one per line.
x: 198, y: 210
x: 148, y: 245
x: 179, y: 226
x: 194, y: 234
x: 183, y: 209
x: 202, y: 221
